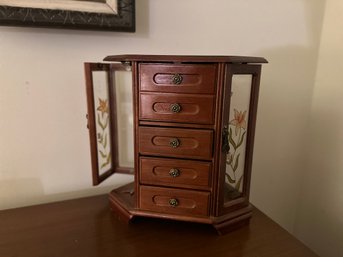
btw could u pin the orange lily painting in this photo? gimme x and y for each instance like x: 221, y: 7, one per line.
x: 239, y: 121
x: 103, y: 107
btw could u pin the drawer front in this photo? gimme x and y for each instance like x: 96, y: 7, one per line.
x: 177, y: 108
x: 174, y: 201
x: 176, y: 173
x: 178, y: 78
x: 172, y: 142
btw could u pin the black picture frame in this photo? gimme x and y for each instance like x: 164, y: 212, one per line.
x: 123, y: 21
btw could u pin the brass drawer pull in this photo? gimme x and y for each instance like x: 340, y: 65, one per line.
x: 177, y: 79
x: 174, y: 142
x: 174, y: 172
x: 173, y: 202
x: 175, y: 108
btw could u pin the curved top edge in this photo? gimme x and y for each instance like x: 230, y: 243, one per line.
x: 184, y: 58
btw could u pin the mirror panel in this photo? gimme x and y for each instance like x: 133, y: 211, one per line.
x: 237, y: 135
x: 124, y: 111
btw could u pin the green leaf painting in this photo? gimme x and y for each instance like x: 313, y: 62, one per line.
x: 103, y: 155
x: 102, y: 125
x: 103, y: 121
x: 231, y: 141
x: 238, y: 185
x: 230, y: 179
x: 107, y: 161
x: 236, y: 163
x: 105, y: 141
x: 236, y: 137
x: 241, y: 141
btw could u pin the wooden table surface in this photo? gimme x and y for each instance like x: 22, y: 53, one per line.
x: 86, y: 227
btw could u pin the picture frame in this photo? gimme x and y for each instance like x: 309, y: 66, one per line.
x: 108, y: 15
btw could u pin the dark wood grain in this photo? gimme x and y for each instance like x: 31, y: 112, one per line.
x: 218, y: 136
x: 196, y: 79
x: 192, y: 174
x: 194, y: 108
x: 86, y: 228
x: 135, y: 103
x: 194, y: 144
x: 174, y: 124
x: 189, y: 202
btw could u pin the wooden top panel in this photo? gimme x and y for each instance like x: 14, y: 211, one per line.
x: 184, y: 58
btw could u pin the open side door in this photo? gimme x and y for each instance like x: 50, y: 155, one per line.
x: 104, y: 115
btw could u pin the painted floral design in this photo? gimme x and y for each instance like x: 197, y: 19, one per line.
x: 239, y: 121
x: 239, y: 124
x: 103, y: 107
x: 103, y: 122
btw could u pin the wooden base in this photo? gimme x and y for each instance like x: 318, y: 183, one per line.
x: 227, y: 223
x: 122, y: 202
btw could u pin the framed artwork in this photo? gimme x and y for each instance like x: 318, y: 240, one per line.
x: 112, y: 15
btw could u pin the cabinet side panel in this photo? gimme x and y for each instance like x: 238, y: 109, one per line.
x: 135, y: 101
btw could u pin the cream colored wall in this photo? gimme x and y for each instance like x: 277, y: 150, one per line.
x: 44, y: 153
x: 319, y: 221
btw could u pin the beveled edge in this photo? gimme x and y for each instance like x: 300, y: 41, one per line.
x: 184, y: 58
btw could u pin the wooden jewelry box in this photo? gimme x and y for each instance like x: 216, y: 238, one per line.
x: 183, y: 126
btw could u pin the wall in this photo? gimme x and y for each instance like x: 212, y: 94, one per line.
x: 44, y: 153
x: 319, y: 221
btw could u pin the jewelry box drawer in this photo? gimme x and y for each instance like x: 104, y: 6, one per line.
x: 174, y: 142
x: 174, y: 201
x: 178, y: 78
x: 175, y: 173
x: 177, y: 108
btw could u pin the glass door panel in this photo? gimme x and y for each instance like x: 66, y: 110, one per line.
x: 102, y: 120
x: 237, y: 128
x: 110, y: 119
